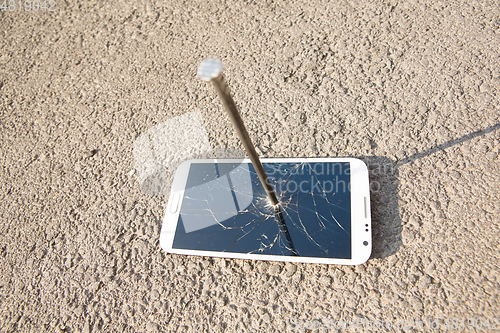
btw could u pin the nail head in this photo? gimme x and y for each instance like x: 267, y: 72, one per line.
x: 209, y: 69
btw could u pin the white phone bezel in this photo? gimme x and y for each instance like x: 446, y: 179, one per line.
x: 360, y: 213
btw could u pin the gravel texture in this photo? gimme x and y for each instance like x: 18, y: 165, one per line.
x: 413, y: 87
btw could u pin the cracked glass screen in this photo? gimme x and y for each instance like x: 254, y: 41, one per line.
x: 225, y: 209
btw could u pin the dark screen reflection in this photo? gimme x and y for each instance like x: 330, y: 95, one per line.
x: 225, y: 209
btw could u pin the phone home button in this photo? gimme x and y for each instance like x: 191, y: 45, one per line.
x: 175, y: 203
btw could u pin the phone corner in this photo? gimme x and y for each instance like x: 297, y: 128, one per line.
x: 184, y: 164
x: 363, y: 255
x: 362, y: 261
x: 359, y: 163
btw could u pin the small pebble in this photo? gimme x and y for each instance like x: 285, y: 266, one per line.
x: 425, y: 282
x: 86, y: 327
x: 291, y: 269
x: 275, y: 269
x: 90, y: 153
x: 247, y: 267
x: 325, y: 280
x: 416, y: 303
x: 151, y: 327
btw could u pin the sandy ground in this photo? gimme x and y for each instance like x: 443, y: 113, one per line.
x: 413, y: 86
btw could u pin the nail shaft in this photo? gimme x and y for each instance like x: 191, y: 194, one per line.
x: 223, y: 90
x: 211, y: 70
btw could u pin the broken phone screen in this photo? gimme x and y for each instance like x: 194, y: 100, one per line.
x: 225, y: 209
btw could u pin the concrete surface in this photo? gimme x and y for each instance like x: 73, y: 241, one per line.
x: 410, y: 85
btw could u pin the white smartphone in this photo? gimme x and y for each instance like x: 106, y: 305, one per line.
x: 219, y: 208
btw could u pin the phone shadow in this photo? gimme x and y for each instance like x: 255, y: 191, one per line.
x: 387, y: 226
x: 384, y: 202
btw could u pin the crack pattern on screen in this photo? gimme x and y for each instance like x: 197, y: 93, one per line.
x: 226, y: 209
